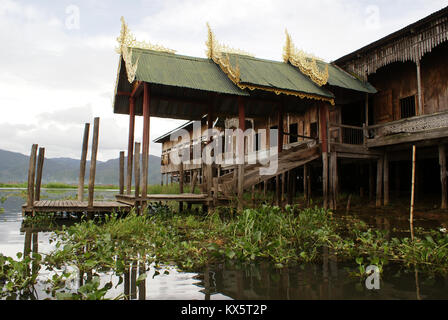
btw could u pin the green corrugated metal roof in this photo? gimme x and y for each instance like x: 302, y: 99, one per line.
x: 182, y: 71
x: 340, y: 78
x: 275, y: 75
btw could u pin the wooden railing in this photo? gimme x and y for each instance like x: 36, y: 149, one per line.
x: 409, y: 125
x: 349, y: 134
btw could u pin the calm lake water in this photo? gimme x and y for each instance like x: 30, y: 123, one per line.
x: 328, y: 280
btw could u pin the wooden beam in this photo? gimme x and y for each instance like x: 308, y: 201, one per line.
x: 443, y: 177
x: 323, y: 110
x: 31, y: 176
x: 96, y: 128
x: 40, y: 166
x: 130, y: 145
x: 121, y: 179
x: 82, y: 165
x: 145, y: 153
x: 137, y: 89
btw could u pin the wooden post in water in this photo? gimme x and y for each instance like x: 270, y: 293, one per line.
x: 40, y: 166
x: 121, y: 183
x: 411, y: 219
x: 31, y: 176
x: 379, y: 182
x: 82, y: 166
x: 386, y: 179
x: 96, y: 130
x: 443, y: 178
x: 137, y: 170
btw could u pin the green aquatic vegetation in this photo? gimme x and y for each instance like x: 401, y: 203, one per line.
x: 18, y: 277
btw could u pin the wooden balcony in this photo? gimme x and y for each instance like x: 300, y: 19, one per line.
x: 410, y: 130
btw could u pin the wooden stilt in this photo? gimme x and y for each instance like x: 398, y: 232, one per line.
x: 137, y: 170
x: 121, y: 179
x: 334, y: 180
x: 379, y: 182
x: 145, y: 151
x: 411, y: 218
x: 242, y: 127
x: 194, y: 180
x: 40, y: 166
x: 386, y: 179
x: 305, y: 183
x: 181, y: 185
x: 31, y: 176
x: 130, y: 145
x: 96, y: 128
x: 371, y: 181
x: 443, y: 178
x: 82, y: 166
x: 325, y: 179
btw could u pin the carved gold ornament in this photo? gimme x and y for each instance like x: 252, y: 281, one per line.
x: 127, y: 42
x: 305, y: 62
x: 220, y: 55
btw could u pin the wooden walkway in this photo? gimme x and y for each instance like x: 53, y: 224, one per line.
x: 184, y: 197
x: 71, y: 206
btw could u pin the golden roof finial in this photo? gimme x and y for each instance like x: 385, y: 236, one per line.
x: 306, y: 63
x: 127, y: 42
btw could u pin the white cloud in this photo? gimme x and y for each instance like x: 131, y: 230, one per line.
x: 52, y: 80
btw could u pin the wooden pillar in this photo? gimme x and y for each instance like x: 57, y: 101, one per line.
x: 323, y: 110
x: 419, y: 89
x: 242, y: 127
x: 283, y: 188
x: 371, y: 181
x: 31, y: 176
x: 386, y: 179
x: 280, y: 127
x: 367, y: 110
x: 443, y: 178
x: 379, y: 181
x: 40, y: 166
x: 121, y: 179
x: 137, y: 170
x: 82, y: 166
x: 130, y: 145
x: 334, y: 181
x: 305, y: 183
x: 96, y: 130
x: 181, y: 185
x: 161, y: 180
x: 194, y: 180
x: 145, y: 152
x: 278, y: 191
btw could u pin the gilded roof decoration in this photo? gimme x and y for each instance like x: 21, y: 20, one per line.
x: 219, y: 53
x: 127, y: 42
x: 306, y: 63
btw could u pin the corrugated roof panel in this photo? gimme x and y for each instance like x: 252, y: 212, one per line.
x: 181, y: 71
x: 275, y: 75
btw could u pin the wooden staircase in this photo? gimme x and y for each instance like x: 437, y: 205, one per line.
x: 287, y: 160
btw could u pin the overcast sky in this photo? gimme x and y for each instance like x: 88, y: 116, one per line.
x: 58, y: 65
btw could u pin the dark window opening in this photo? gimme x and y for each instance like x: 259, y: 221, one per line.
x: 293, y: 131
x: 314, y: 130
x: 407, y: 107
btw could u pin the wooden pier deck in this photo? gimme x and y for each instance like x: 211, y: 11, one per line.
x: 71, y: 206
x: 184, y: 197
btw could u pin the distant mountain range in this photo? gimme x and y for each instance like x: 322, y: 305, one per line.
x: 14, y: 168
